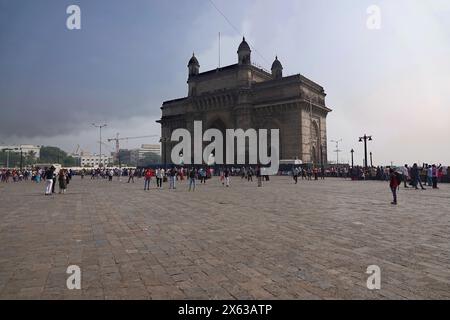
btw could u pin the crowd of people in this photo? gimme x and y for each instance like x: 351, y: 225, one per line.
x: 412, y: 177
x: 427, y: 175
x: 16, y: 175
x: 194, y: 175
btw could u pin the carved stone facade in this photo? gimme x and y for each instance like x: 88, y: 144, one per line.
x: 245, y: 96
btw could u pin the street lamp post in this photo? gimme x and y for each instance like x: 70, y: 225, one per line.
x: 352, y: 152
x: 7, y: 150
x: 337, y: 150
x: 100, y: 126
x: 365, y: 138
x: 21, y: 158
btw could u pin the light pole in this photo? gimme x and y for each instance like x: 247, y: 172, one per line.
x: 337, y: 150
x: 21, y: 158
x: 361, y: 139
x: 7, y: 150
x: 100, y: 126
x: 352, y: 152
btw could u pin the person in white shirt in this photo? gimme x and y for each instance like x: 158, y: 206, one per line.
x: 430, y: 176
x: 159, y: 173
x: 405, y: 173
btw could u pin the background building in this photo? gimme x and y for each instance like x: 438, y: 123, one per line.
x: 153, y: 148
x: 148, y: 153
x: 87, y: 160
x: 26, y: 149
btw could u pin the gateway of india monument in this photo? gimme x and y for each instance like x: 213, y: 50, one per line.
x: 243, y: 96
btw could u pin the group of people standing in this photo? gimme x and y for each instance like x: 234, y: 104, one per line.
x: 149, y: 174
x: 51, y: 176
x: 172, y: 175
x: 308, y: 173
x: 195, y: 175
x: 411, y: 177
x: 16, y: 175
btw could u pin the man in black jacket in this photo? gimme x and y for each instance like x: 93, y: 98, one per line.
x: 415, y: 176
x: 49, y: 180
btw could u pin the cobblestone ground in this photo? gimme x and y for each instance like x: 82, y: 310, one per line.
x: 313, y: 240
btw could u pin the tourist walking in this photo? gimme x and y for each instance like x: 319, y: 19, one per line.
x: 393, y: 184
x: 415, y: 176
x: 406, y: 177
x: 259, y: 176
x: 226, y: 176
x: 250, y: 174
x: 202, y: 174
x: 62, y: 180
x: 434, y: 175
x: 54, y: 180
x: 172, y: 178
x: 243, y: 173
x: 192, y: 179
x: 295, y: 174
x: 159, y: 177
x: 130, y: 175
x: 147, y: 179
x: 49, y: 180
x: 309, y: 174
x: 429, y: 176
x: 322, y: 173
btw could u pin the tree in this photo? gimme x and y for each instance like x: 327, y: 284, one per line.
x: 56, y: 155
x: 12, y: 160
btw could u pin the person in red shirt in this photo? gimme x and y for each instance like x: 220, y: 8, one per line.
x: 393, y: 183
x: 147, y: 178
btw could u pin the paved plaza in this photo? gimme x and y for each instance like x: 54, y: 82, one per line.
x: 313, y: 240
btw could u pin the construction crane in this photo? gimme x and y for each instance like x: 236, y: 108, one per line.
x: 117, y: 139
x: 76, y: 150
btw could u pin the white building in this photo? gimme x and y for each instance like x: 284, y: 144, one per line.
x: 154, y: 148
x: 138, y: 154
x: 25, y: 148
x: 94, y: 160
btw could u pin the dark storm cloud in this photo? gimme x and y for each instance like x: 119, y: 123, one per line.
x: 55, y: 81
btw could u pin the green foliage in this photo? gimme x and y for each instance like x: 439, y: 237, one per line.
x: 56, y: 155
x: 47, y: 155
x: 14, y: 159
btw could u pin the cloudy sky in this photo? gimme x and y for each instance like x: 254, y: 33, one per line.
x: 130, y: 56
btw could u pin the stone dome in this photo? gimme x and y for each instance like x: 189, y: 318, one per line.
x: 244, y: 46
x: 276, y: 64
x: 193, y: 61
